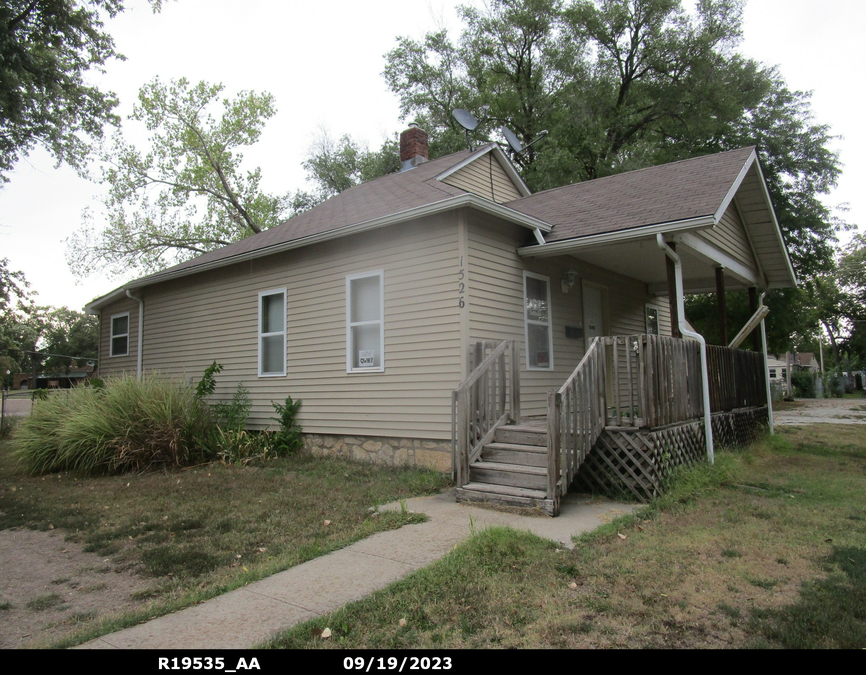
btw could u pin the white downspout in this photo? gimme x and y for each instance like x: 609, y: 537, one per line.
x: 767, y: 370
x: 140, y: 328
x: 686, y: 332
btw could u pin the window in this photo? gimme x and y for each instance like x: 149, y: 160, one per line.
x: 120, y: 334
x: 652, y: 320
x: 365, y: 340
x: 536, y: 303
x: 272, y: 333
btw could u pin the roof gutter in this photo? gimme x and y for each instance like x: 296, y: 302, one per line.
x: 459, y: 201
x: 140, y: 329
x: 689, y: 333
x: 616, y: 237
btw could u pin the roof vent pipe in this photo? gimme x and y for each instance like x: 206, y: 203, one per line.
x: 688, y: 333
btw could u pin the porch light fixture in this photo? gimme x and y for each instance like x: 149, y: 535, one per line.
x: 569, y: 279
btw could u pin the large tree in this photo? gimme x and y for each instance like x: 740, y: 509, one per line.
x: 186, y: 193
x: 18, y: 330
x: 620, y: 85
x: 48, y: 49
x: 336, y: 165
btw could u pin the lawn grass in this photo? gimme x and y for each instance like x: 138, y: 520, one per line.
x: 765, y: 549
x: 202, y: 531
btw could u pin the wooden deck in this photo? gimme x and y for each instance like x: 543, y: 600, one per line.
x: 629, y: 414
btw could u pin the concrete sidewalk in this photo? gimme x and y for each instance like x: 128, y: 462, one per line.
x: 253, y: 614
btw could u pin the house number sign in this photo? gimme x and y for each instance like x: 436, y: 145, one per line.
x: 461, y: 285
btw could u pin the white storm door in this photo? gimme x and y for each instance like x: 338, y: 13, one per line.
x: 593, y: 313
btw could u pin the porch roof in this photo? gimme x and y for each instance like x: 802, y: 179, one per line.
x: 612, y: 222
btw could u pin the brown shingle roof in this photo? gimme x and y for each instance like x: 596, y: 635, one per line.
x: 668, y: 193
x: 378, y: 198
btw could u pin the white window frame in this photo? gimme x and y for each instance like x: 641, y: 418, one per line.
x: 527, y: 321
x: 111, y: 335
x: 350, y: 347
x: 262, y: 295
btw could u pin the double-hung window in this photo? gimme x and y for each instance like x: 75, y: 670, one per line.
x: 365, y: 334
x: 536, y: 305
x: 120, y: 334
x: 272, y: 333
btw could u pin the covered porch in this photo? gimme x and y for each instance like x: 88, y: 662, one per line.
x: 636, y: 405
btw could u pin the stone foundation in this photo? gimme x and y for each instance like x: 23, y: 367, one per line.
x: 382, y: 450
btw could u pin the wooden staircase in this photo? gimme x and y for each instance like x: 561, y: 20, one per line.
x: 511, y: 470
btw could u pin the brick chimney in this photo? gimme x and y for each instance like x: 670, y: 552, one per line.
x: 413, y: 147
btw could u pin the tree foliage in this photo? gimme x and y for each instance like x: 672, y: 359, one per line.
x: 333, y: 166
x: 186, y: 193
x: 17, y: 329
x: 621, y: 85
x: 48, y: 48
x: 27, y: 327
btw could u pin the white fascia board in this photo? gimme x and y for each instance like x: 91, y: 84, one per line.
x: 729, y: 197
x: 777, y: 229
x: 596, y: 240
x: 503, y: 160
x: 93, y: 307
x: 449, y: 204
x: 714, y: 255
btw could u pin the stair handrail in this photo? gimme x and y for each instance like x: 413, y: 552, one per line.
x: 574, y: 428
x: 480, y: 405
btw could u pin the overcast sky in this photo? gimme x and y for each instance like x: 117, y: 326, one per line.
x: 323, y: 62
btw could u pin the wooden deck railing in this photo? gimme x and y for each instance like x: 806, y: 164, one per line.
x: 642, y: 381
x: 576, y: 415
x: 487, y: 398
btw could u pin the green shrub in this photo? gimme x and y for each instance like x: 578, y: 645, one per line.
x: 804, y: 384
x: 290, y: 437
x: 129, y: 425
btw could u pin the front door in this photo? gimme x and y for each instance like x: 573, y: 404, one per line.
x: 593, y: 312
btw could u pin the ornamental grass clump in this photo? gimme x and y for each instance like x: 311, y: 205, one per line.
x: 130, y: 424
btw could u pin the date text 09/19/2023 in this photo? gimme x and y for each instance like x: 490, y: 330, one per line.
x: 391, y: 663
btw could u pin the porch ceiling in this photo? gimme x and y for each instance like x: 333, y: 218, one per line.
x: 643, y: 260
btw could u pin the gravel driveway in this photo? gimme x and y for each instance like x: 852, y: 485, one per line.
x: 821, y: 410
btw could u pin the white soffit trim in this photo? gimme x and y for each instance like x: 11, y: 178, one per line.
x: 616, y: 237
x: 449, y: 204
x: 708, y: 252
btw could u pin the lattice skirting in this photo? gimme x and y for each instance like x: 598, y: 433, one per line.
x: 637, y: 462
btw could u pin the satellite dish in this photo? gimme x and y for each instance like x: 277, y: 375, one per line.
x: 465, y: 119
x: 513, y: 142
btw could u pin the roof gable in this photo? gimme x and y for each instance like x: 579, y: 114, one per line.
x: 684, y: 190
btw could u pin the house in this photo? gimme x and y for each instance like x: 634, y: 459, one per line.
x: 365, y: 306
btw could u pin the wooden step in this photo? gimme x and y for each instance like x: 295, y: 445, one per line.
x: 506, y: 496
x: 515, y: 475
x: 521, y: 435
x: 513, y: 453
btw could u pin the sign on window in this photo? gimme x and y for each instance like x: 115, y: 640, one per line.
x: 365, y: 358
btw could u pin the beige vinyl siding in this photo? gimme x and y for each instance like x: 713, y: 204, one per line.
x: 116, y: 365
x: 495, y: 296
x: 193, y: 321
x: 486, y: 178
x: 730, y: 236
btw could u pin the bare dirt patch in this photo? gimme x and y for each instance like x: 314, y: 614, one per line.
x: 50, y: 587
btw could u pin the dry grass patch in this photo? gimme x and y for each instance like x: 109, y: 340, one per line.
x: 200, y: 532
x: 733, y: 556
